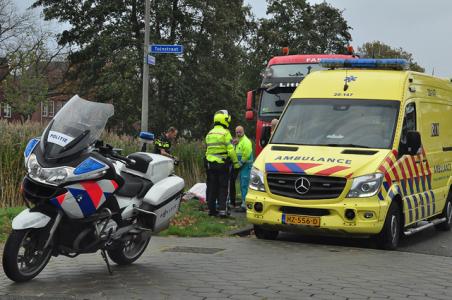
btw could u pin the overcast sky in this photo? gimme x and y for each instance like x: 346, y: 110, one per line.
x: 421, y: 27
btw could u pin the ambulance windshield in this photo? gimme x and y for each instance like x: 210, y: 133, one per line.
x: 338, y: 123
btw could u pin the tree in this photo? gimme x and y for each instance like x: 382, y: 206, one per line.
x: 25, y: 57
x: 184, y: 90
x: 377, y: 49
x: 14, y: 29
x: 26, y: 93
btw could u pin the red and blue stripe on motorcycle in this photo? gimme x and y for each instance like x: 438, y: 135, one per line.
x: 84, y: 198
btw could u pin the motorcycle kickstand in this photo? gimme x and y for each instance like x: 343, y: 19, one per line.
x: 104, y: 256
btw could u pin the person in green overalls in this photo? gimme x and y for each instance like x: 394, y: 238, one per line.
x: 244, y: 150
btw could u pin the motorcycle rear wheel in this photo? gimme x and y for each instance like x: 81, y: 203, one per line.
x: 23, y: 256
x: 129, y: 251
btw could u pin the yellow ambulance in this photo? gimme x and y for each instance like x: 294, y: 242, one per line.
x: 363, y: 148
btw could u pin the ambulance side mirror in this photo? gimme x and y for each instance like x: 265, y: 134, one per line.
x: 413, y: 142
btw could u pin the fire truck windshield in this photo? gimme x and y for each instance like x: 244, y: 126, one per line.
x: 294, y: 70
x: 272, y: 104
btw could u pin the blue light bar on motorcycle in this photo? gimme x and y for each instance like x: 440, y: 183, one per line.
x: 30, y: 146
x: 89, y: 165
x: 147, y: 136
x: 366, y: 63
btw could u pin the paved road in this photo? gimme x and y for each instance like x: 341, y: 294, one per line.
x: 429, y: 241
x: 245, y: 268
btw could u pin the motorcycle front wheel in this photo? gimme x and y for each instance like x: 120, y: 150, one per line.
x: 24, y: 255
x: 130, y: 250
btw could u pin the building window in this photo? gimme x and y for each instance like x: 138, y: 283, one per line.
x: 6, y: 110
x: 44, y: 109
x: 59, y: 106
x: 51, y: 108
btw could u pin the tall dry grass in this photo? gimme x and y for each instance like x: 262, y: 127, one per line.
x: 14, y: 138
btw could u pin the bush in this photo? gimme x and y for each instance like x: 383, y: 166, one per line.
x: 14, y: 138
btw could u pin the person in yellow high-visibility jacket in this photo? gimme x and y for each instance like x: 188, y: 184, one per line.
x: 220, y: 154
x: 244, y: 149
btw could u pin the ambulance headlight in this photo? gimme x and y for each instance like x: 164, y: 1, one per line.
x: 257, y: 180
x: 365, y: 186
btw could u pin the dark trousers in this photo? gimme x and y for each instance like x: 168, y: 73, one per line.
x: 233, y: 177
x: 217, y: 186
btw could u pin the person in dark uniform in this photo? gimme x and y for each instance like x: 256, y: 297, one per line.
x: 162, y: 144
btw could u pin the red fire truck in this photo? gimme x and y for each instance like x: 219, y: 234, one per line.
x: 280, y: 79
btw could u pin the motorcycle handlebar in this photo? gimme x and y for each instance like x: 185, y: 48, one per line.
x: 109, y: 151
x: 128, y: 161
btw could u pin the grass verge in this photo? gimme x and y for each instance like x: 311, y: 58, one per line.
x: 193, y: 221
x: 6, y: 217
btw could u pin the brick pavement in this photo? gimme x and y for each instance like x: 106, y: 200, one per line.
x: 247, y: 268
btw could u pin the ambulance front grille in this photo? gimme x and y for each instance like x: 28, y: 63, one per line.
x: 321, y: 187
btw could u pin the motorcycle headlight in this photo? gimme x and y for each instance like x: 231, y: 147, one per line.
x: 365, y: 186
x: 33, y: 167
x: 88, y: 169
x: 52, y: 176
x: 257, y: 180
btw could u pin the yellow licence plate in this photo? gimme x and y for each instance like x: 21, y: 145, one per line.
x: 302, y: 220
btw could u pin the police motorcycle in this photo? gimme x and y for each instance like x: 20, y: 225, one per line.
x: 83, y: 196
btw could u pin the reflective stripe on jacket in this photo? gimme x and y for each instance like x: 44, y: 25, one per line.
x: 219, y: 146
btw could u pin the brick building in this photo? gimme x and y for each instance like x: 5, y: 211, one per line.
x: 56, y: 97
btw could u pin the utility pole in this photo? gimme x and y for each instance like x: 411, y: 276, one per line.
x: 145, y: 100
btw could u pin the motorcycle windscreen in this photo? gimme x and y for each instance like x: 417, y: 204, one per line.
x: 75, y: 127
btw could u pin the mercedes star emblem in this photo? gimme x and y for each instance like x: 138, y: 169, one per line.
x: 302, y: 185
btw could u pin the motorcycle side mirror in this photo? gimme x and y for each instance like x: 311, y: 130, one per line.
x: 99, y: 143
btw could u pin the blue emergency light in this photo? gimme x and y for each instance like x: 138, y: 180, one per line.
x: 366, y: 63
x: 147, y: 136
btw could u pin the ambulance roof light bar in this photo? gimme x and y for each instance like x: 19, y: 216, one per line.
x: 366, y: 63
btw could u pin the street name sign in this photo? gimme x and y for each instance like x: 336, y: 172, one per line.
x: 172, y: 49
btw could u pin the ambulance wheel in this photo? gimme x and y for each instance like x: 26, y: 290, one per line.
x: 447, y: 213
x: 265, y: 234
x: 389, y: 236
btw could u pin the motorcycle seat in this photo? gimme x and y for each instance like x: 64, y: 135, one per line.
x: 133, y: 186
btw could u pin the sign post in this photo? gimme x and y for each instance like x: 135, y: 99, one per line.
x: 150, y: 60
x: 145, y: 97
